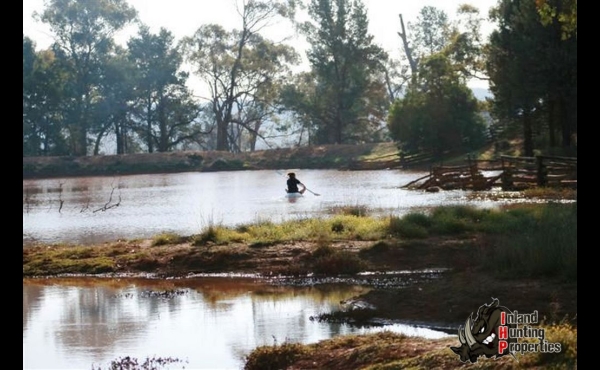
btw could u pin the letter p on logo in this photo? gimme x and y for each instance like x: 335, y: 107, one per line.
x: 502, y: 345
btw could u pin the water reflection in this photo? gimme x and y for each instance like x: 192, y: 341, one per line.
x: 207, y: 322
x: 96, y: 209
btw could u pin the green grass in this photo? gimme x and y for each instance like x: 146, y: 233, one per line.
x: 541, y: 243
x: 526, y: 240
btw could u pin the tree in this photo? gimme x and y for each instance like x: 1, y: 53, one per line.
x: 428, y: 35
x: 438, y: 113
x: 345, y: 64
x: 164, y: 111
x: 43, y: 85
x: 242, y: 70
x: 561, y: 12
x: 84, y: 33
x: 434, y: 32
x: 112, y: 110
x: 533, y: 73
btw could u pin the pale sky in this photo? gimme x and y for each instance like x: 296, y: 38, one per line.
x: 183, y: 18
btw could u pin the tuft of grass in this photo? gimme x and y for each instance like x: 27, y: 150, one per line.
x: 168, y: 238
x: 274, y: 357
x: 454, y: 220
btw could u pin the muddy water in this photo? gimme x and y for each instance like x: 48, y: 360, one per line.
x: 205, y: 323
x: 96, y: 209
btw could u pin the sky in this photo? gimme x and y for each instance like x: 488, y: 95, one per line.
x: 183, y: 18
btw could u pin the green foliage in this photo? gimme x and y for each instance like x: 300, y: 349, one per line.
x: 438, y: 113
x: 406, y: 228
x: 542, y: 243
x: 43, y: 83
x: 342, y: 101
x: 83, y: 31
x: 164, y: 107
x: 533, y: 72
x: 456, y: 219
x: 256, y: 66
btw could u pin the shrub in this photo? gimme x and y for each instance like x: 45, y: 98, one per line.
x: 406, y: 228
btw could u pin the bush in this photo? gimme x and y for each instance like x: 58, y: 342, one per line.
x: 406, y: 228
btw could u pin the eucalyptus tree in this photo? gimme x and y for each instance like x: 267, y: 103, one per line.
x: 460, y: 39
x: 429, y: 34
x: 83, y: 32
x: 164, y: 111
x: 43, y: 85
x: 242, y: 70
x: 346, y: 64
x: 533, y: 72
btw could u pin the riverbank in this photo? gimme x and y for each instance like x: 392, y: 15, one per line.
x: 345, y: 156
x: 466, y: 244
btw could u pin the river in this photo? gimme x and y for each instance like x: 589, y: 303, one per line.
x: 90, y: 210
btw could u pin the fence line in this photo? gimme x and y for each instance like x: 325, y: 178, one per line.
x: 511, y: 173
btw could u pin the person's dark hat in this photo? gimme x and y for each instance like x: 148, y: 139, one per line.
x: 291, y: 174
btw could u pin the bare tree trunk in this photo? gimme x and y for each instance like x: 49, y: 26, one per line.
x: 407, y: 50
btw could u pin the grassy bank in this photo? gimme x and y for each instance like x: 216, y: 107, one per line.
x: 533, y: 240
x: 528, y: 241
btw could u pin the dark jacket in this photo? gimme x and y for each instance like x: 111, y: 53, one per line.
x: 292, y: 185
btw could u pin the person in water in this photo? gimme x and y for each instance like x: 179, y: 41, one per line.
x: 292, y: 184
